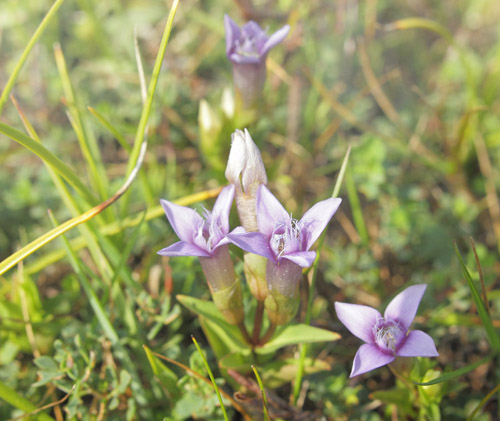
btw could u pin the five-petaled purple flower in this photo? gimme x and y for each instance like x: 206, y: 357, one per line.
x: 247, y: 49
x: 200, y: 236
x: 206, y: 238
x: 386, y: 337
x: 285, y: 242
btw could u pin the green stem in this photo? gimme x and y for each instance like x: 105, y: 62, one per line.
x: 268, y: 335
x: 257, y: 323
x: 244, y: 332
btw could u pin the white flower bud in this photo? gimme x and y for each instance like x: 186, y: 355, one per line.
x: 245, y: 168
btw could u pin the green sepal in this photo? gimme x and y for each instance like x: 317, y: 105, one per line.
x: 280, y: 308
x: 229, y: 302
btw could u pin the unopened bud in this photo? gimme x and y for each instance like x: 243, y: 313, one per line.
x: 245, y: 169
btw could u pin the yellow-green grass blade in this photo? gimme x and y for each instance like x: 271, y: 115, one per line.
x: 10, y: 396
x: 86, y: 140
x: 117, y: 227
x: 24, y: 56
x: 48, y: 157
x: 152, y: 88
x: 262, y: 392
x: 205, y: 362
x: 88, y: 232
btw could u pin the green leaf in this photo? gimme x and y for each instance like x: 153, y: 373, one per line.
x: 481, y: 309
x: 46, y: 363
x: 398, y: 397
x: 238, y: 361
x: 225, y: 333
x: 167, y: 377
x: 456, y: 373
x: 297, y: 334
x: 278, y: 373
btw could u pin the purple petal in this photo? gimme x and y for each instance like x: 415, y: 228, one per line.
x: 184, y: 220
x: 275, y: 39
x: 403, y: 306
x: 253, y: 242
x: 368, y: 358
x: 358, y: 319
x: 181, y: 248
x: 315, y: 219
x: 418, y: 344
x: 252, y: 30
x: 222, y: 207
x: 232, y: 33
x: 302, y: 258
x: 269, y: 211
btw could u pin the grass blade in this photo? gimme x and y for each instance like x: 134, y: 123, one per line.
x: 86, y: 140
x: 49, y: 158
x: 12, y: 397
x: 24, y: 56
x: 141, y: 129
x: 112, y: 129
x: 262, y: 392
x: 481, y: 309
x: 16, y: 257
x: 456, y: 373
x: 211, y: 377
x: 117, y: 227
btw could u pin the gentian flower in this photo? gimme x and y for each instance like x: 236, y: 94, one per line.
x: 206, y: 237
x: 285, y: 242
x: 247, y: 49
x: 386, y: 337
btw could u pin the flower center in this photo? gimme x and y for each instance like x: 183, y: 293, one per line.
x: 209, y: 232
x: 388, y: 334
x: 286, y: 238
x: 247, y: 47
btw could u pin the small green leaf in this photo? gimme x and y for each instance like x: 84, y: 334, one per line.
x: 46, y: 363
x: 297, y: 334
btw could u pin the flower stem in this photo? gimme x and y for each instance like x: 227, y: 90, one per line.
x: 268, y: 335
x: 244, y: 332
x: 257, y: 324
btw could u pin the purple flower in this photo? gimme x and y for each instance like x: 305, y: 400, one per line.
x: 282, y: 237
x: 386, y: 337
x: 285, y: 242
x: 200, y: 236
x: 247, y: 49
x: 206, y: 238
